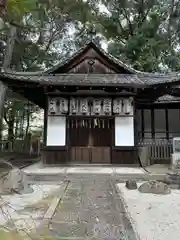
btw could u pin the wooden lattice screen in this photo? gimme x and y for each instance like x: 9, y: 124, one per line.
x: 159, y: 151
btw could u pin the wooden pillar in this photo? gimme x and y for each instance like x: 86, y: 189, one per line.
x: 45, y: 122
x: 167, y: 123
x: 152, y: 124
x: 136, y: 137
x: 142, y: 124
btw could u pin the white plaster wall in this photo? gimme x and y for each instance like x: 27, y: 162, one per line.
x: 124, y: 131
x: 56, y: 131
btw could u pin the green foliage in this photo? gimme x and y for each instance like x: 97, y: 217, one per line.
x: 146, y: 33
x: 42, y: 38
x: 19, y: 8
x: 17, y: 115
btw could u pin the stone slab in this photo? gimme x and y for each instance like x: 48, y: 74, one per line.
x: 51, y: 210
x: 97, y: 206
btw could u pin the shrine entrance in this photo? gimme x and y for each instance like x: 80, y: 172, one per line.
x: 90, y: 139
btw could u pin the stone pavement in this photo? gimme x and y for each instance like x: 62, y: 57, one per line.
x: 89, y: 209
x: 158, y: 168
x: 40, y: 173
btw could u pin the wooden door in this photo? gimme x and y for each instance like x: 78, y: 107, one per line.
x: 94, y: 155
x: 90, y: 140
x: 101, y: 155
x: 81, y: 155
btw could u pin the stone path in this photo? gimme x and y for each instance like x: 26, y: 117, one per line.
x: 90, y: 209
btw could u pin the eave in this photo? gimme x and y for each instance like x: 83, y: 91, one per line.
x: 31, y: 90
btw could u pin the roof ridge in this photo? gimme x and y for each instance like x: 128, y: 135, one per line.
x: 108, y: 55
x: 127, y: 66
x: 93, y: 74
x: 76, y: 53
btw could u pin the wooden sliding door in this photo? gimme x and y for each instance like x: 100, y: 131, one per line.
x: 90, y: 140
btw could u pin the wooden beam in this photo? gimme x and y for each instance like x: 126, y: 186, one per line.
x: 170, y: 105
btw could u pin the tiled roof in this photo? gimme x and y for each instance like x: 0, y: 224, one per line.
x: 157, y: 78
x: 167, y: 98
x: 134, y: 77
x: 77, y: 79
x: 90, y: 79
x: 144, y: 77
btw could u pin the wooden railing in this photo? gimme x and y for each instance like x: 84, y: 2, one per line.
x: 157, y: 151
x: 20, y: 146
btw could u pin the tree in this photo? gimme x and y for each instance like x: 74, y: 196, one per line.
x: 32, y: 33
x: 144, y: 33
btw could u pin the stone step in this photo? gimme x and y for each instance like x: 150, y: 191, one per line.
x: 59, y: 177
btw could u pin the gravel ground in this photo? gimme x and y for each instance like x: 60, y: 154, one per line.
x: 154, y: 217
x: 25, y: 211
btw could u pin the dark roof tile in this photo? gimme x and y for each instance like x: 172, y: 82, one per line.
x: 155, y: 78
x: 167, y: 98
x: 78, y: 79
x: 85, y: 79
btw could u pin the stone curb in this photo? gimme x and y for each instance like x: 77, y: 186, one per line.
x: 51, y: 210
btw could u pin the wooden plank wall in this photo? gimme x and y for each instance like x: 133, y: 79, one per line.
x: 158, y: 123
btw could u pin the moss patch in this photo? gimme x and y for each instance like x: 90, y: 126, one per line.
x: 13, y: 235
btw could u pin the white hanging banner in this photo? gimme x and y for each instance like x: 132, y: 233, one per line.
x: 84, y: 106
x: 107, y: 105
x: 100, y: 106
x: 96, y: 106
x: 63, y: 105
x: 52, y: 107
x: 127, y: 106
x: 117, y: 106
x: 73, y: 106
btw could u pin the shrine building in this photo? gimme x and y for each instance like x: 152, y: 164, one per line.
x: 97, y: 109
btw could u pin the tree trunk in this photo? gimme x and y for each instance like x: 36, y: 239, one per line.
x: 6, y: 65
x: 28, y: 122
x: 27, y: 128
x: 21, y: 125
x: 11, y: 131
x: 16, y: 127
